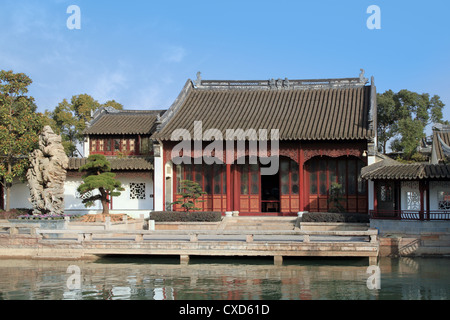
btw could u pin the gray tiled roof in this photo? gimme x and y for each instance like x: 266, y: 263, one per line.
x: 124, y: 122
x: 437, y: 145
x: 299, y: 114
x: 398, y: 171
x: 117, y: 164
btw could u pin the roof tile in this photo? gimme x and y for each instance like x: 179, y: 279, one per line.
x: 445, y: 137
x: 131, y: 163
x: 399, y: 171
x: 139, y: 122
x: 308, y: 114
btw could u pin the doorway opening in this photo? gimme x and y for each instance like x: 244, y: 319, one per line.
x: 270, y: 193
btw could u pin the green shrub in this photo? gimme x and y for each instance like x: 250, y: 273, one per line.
x: 335, y: 217
x: 194, y: 216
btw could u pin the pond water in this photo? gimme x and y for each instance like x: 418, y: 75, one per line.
x: 164, y: 278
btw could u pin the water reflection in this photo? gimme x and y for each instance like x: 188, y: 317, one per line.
x: 154, y: 278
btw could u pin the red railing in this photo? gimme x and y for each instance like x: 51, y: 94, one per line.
x: 410, y: 214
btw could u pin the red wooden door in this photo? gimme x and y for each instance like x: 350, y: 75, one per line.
x: 249, y: 191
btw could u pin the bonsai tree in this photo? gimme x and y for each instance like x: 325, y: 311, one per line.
x: 335, y: 198
x: 98, y: 176
x: 191, y: 191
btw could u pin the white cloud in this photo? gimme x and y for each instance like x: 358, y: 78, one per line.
x: 109, y: 85
x: 149, y: 97
x: 175, y: 54
x: 63, y: 63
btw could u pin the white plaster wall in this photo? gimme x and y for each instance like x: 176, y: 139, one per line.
x: 404, y: 203
x: 125, y: 202
x: 120, y: 204
x: 86, y: 147
x: 370, y: 185
x: 159, y: 181
x: 20, y: 193
x: 72, y: 203
x: 435, y: 187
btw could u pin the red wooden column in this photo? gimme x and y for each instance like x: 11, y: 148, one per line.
x: 301, y: 162
x: 236, y: 189
x: 229, y: 187
x: 375, y: 200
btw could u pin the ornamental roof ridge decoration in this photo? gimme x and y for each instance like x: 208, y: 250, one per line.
x: 278, y: 84
x: 445, y: 148
x: 350, y: 98
x: 441, y: 127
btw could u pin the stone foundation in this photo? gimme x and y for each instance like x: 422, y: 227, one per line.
x: 413, y: 238
x: 329, y: 226
x: 186, y: 225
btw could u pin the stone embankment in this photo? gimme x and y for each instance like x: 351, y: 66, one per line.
x: 413, y: 238
x: 232, y: 237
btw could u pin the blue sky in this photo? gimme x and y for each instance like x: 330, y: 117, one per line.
x: 141, y: 53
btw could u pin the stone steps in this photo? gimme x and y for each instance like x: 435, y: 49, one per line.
x: 102, y: 217
x: 258, y: 223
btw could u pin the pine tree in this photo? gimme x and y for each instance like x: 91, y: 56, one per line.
x: 98, y: 176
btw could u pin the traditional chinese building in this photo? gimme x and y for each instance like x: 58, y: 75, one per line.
x: 416, y: 191
x: 323, y: 131
x: 123, y: 136
x: 291, y: 140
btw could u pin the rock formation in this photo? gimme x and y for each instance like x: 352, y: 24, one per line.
x: 47, y: 174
